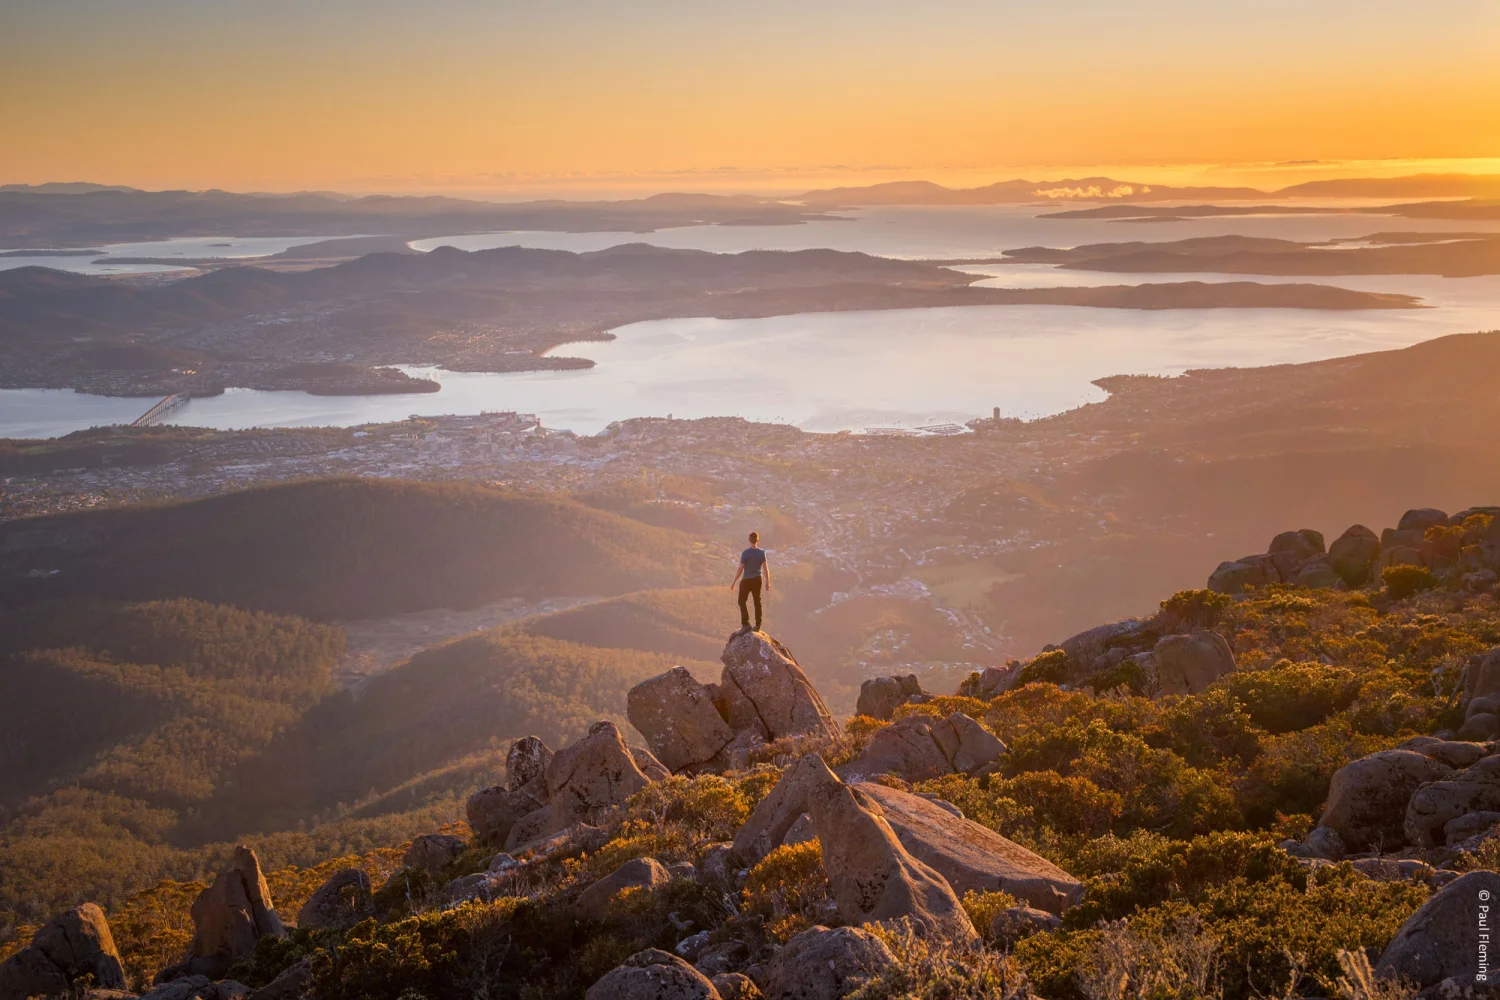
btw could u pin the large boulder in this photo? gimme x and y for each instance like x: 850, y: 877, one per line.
x: 1420, y: 519
x: 1481, y: 691
x: 591, y: 776
x: 526, y: 761
x: 920, y: 747
x: 228, y: 918
x: 1238, y: 575
x: 529, y: 829
x: 1432, y: 806
x: 291, y: 983
x: 342, y: 901
x: 870, y: 875
x: 641, y: 873
x: 69, y: 947
x: 823, y: 964
x: 1354, y: 555
x: 969, y: 856
x: 1291, y: 550
x: 1442, y: 939
x: 763, y: 689
x: 1367, y: 797
x: 676, y: 714
x: 1107, y: 644
x: 432, y: 852
x: 493, y: 812
x: 653, y: 975
x: 1187, y: 664
x: 879, y: 697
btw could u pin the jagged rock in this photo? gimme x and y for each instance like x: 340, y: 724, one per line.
x: 766, y: 827
x: 646, y: 873
x: 529, y: 829
x: 1469, y: 825
x: 995, y: 681
x: 1291, y: 550
x: 676, y: 714
x: 1438, y: 941
x: 879, y: 697
x: 734, y: 986
x: 526, y: 761
x: 493, y: 812
x: 692, y: 946
x: 823, y: 964
x: 228, y: 918
x: 291, y: 983
x: 1432, y: 806
x: 737, y: 754
x: 343, y: 901
x: 1017, y: 922
x: 870, y: 875
x: 920, y: 747
x: 592, y: 775
x: 653, y: 769
x: 70, y: 946
x: 1236, y: 576
x: 1354, y: 554
x: 969, y: 856
x: 763, y: 689
x: 432, y: 852
x: 1187, y: 664
x: 1367, y: 798
x: 653, y: 975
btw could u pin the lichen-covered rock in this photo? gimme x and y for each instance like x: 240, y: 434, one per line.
x: 1291, y: 550
x: 823, y: 964
x: 920, y: 747
x: 1432, y: 806
x: 228, y: 918
x: 879, y: 697
x: 1367, y: 798
x: 763, y: 689
x: 1187, y: 664
x: 69, y: 947
x: 677, y: 717
x: 1441, y: 940
x: 1455, y: 753
x: 432, y: 852
x: 644, y: 873
x: 653, y: 975
x: 342, y: 901
x: 591, y: 776
x: 1354, y: 554
x: 653, y: 769
x: 971, y: 857
x: 493, y: 812
x: 529, y: 829
x: 870, y: 875
x: 1105, y: 645
x: 526, y: 761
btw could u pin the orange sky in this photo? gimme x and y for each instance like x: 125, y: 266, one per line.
x: 573, y: 95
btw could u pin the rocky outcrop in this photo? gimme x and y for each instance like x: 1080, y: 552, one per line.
x: 653, y: 975
x: 432, y: 852
x: 823, y: 964
x: 1440, y: 941
x: 879, y: 697
x: 764, y: 690
x: 70, y: 947
x: 1292, y: 557
x: 341, y: 902
x: 228, y: 918
x: 643, y: 873
x: 920, y: 747
x: 591, y: 776
x: 1107, y: 645
x: 1432, y: 806
x: 1187, y: 664
x: 1354, y: 554
x: 971, y: 857
x: 767, y: 826
x: 493, y: 812
x: 1481, y: 696
x: 676, y: 714
x: 1367, y: 797
x: 870, y: 875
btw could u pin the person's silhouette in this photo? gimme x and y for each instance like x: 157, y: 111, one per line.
x: 753, y: 574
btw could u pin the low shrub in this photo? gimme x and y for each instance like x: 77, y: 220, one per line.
x: 1402, y: 582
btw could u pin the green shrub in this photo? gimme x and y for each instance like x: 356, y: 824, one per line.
x: 1051, y: 667
x: 1190, y: 609
x: 1291, y: 696
x: 1405, y: 581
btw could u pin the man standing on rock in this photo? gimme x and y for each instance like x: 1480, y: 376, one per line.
x: 752, y: 571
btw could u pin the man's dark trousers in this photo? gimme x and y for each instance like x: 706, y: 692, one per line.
x: 749, y: 587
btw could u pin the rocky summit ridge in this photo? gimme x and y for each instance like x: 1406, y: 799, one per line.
x: 777, y: 854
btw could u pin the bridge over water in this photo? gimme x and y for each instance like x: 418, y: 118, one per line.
x: 160, y: 411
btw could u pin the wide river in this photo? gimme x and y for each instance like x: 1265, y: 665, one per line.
x: 856, y: 370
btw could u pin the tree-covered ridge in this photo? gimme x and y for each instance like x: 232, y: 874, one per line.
x: 348, y: 548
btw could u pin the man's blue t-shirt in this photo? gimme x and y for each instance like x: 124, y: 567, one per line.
x: 753, y: 559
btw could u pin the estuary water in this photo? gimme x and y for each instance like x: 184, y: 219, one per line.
x: 863, y: 370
